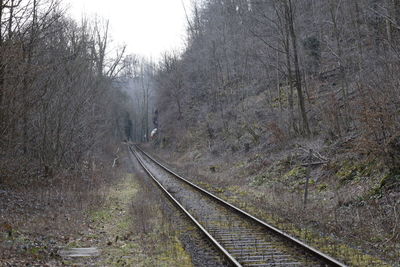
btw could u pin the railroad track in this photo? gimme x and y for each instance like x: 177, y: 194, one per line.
x: 241, y: 238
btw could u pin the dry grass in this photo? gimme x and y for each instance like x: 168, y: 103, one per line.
x: 340, y: 215
x: 154, y: 226
x: 41, y: 214
x: 130, y: 228
x: 111, y: 209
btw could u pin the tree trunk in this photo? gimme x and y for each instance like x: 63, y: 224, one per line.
x: 290, y: 15
x: 342, y: 70
x: 1, y: 68
x: 292, y: 121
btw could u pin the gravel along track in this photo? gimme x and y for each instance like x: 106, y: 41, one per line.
x: 249, y: 243
x: 194, y: 242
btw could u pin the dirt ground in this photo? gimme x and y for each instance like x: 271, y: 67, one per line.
x: 36, y: 223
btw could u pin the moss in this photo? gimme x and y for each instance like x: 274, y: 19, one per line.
x: 327, y: 244
x: 271, y: 174
x: 99, y: 216
x: 390, y: 181
x: 236, y: 190
x: 355, y: 171
x: 176, y: 256
x: 322, y: 187
x: 112, y: 229
x: 35, y: 251
x: 297, y: 172
x: 374, y: 192
x: 387, y: 182
x: 218, y: 190
x: 259, y: 179
x: 74, y: 244
x: 347, y: 172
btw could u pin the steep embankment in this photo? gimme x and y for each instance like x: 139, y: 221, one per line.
x: 352, y: 203
x: 261, y: 83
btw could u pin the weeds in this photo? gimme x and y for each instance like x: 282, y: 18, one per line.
x: 42, y: 213
x: 360, y: 212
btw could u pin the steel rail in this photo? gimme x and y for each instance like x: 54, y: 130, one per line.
x: 318, y: 254
x: 225, y: 253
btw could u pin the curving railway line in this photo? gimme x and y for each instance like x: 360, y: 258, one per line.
x: 241, y: 238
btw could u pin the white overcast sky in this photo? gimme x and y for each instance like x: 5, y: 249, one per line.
x: 147, y: 27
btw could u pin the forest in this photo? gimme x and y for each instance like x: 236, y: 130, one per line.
x: 55, y: 86
x: 268, y: 94
x: 270, y: 71
x: 264, y: 94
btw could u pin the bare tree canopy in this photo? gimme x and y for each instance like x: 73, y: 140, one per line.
x: 321, y: 68
x: 56, y: 83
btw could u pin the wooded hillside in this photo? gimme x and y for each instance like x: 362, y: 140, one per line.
x: 58, y: 104
x: 270, y: 93
x: 265, y: 72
